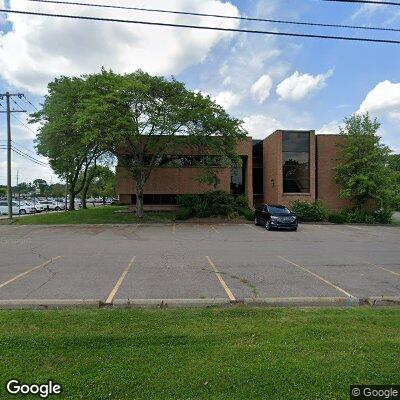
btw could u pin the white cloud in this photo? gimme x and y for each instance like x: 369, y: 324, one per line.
x: 262, y: 88
x: 330, y: 128
x: 227, y: 99
x: 368, y: 10
x: 37, y: 49
x: 260, y: 126
x: 298, y: 86
x: 383, y: 99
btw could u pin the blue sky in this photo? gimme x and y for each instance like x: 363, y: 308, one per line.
x: 270, y: 82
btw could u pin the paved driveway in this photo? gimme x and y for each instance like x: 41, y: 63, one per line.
x: 188, y: 263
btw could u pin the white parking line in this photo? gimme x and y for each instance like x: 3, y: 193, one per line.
x: 19, y: 276
x: 221, y: 280
x: 113, y: 292
x: 318, y: 277
x: 386, y: 269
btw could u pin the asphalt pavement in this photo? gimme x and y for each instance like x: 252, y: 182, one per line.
x: 198, y: 264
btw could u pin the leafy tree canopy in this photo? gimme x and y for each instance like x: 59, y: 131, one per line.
x: 141, y: 117
x: 362, y: 170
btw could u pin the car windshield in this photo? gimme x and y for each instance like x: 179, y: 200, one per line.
x: 278, y: 210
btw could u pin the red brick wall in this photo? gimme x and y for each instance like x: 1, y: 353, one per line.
x: 272, y: 148
x: 273, y: 174
x: 328, y: 190
x: 185, y: 180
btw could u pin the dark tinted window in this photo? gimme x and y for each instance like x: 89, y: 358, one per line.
x: 238, y: 178
x: 296, y: 141
x: 3, y: 203
x: 296, y: 162
x: 278, y: 210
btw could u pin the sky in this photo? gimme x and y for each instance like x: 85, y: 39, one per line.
x: 270, y: 82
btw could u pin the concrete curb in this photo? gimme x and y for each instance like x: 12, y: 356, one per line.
x: 302, y: 302
x: 170, y: 303
x: 27, y: 304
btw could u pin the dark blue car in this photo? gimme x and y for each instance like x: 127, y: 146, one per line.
x: 275, y: 216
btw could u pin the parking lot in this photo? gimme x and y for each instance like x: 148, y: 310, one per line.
x: 184, y: 264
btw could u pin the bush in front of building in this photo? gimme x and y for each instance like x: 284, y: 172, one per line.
x: 183, y: 213
x: 214, y: 204
x: 310, y: 212
x: 337, y: 218
x: 354, y: 216
x: 383, y: 216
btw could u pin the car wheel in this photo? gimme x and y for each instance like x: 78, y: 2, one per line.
x: 294, y: 229
x: 22, y: 212
x: 57, y: 209
x: 267, y: 225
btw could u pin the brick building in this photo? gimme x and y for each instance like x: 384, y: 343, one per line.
x: 285, y: 166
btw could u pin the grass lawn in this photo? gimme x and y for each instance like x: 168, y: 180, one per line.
x: 202, y: 354
x: 97, y: 215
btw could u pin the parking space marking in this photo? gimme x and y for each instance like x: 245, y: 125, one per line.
x: 386, y: 269
x: 212, y: 227
x: 356, y: 227
x: 19, y: 276
x: 113, y: 292
x: 221, y: 280
x: 318, y: 277
x: 252, y: 227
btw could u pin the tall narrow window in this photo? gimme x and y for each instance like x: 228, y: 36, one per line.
x: 296, y: 162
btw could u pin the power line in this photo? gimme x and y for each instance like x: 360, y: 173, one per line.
x: 213, y: 28
x: 388, y: 3
x: 17, y: 119
x: 27, y: 100
x: 28, y: 157
x: 21, y: 149
x: 233, y: 17
x: 17, y: 105
x: 25, y: 149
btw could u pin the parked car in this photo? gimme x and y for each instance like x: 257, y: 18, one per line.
x: 29, y: 205
x: 275, y: 216
x: 47, y: 205
x: 21, y: 209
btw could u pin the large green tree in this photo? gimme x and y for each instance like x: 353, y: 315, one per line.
x: 70, y: 150
x: 394, y: 165
x: 100, y: 182
x: 103, y: 185
x: 142, y: 118
x: 362, y: 166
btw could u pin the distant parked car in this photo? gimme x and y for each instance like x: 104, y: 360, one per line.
x: 28, y: 204
x: 49, y: 205
x: 275, y: 217
x: 16, y: 208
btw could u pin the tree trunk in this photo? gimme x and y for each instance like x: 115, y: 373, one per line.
x: 71, y: 206
x: 84, y: 196
x: 139, y: 203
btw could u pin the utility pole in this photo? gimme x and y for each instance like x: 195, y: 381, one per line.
x: 8, y: 111
x: 19, y: 193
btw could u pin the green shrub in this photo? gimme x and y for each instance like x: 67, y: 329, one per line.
x: 233, y: 215
x: 310, y: 212
x: 337, y: 218
x: 183, y: 214
x: 214, y: 204
x: 241, y: 202
x: 201, y: 210
x: 248, y: 214
x: 358, y: 216
x: 383, y: 216
x: 187, y: 200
